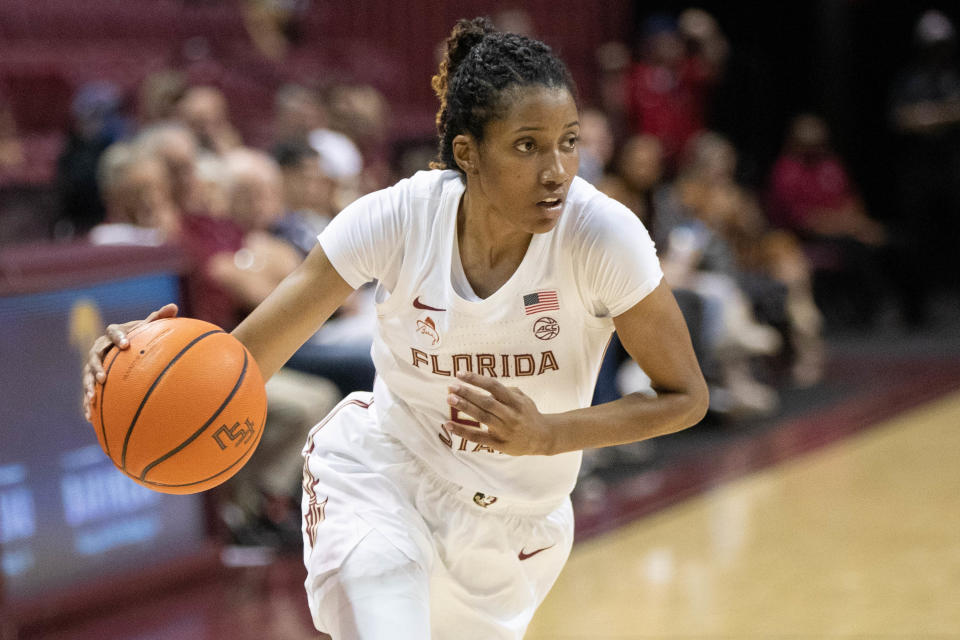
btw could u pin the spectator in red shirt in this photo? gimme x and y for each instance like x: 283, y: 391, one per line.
x: 811, y: 192
x: 668, y: 89
x: 856, y: 262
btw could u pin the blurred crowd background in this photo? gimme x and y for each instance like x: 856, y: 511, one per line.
x: 798, y: 165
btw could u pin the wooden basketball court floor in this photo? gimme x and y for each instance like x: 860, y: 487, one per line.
x: 858, y: 539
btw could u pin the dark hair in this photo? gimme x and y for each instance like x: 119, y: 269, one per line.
x: 290, y: 153
x: 479, y: 66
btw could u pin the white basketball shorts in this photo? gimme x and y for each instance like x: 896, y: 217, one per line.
x: 394, y: 551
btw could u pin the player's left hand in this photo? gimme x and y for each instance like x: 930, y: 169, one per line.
x: 513, y: 423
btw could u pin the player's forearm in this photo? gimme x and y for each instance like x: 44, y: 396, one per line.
x: 274, y: 330
x: 292, y: 313
x: 631, y: 418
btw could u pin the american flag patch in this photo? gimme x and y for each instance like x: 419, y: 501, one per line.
x: 540, y: 301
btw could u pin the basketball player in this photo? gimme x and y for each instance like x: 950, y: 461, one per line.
x: 437, y: 506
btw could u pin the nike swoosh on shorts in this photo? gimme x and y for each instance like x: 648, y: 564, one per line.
x: 524, y: 556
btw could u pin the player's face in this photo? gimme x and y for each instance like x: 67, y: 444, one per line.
x: 529, y: 157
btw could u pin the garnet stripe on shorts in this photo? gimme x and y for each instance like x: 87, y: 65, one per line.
x: 316, y: 509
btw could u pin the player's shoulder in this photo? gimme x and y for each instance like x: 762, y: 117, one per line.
x: 429, y: 185
x: 416, y: 198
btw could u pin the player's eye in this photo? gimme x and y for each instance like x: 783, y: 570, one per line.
x: 571, y: 142
x: 525, y: 146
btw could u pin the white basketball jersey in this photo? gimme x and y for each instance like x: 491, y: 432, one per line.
x: 544, y: 331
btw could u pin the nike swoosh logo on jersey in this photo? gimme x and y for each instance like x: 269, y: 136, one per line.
x: 419, y: 305
x: 524, y: 556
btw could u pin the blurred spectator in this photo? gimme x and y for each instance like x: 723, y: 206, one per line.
x: 342, y: 162
x: 204, y: 110
x: 926, y: 116
x: 768, y: 265
x: 11, y: 150
x: 811, y: 191
x: 254, y: 188
x: 255, y: 203
x: 274, y: 25
x: 668, y: 88
x: 307, y: 195
x: 697, y: 260
x: 158, y: 96
x: 812, y: 194
x: 273, y: 245
x: 205, y: 234
x: 297, y: 111
x: 596, y: 145
x: 96, y: 123
x: 236, y: 261
x: 515, y: 20
x: 176, y: 146
x: 613, y: 62
x: 362, y: 113
x: 139, y: 203
x: 637, y: 176
x: 412, y: 155
x: 210, y: 179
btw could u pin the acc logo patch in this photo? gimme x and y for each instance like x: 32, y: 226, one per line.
x: 546, y: 328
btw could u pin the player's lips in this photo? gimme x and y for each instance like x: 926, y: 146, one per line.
x: 552, y: 203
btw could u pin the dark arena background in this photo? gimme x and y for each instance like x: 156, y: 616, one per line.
x: 185, y: 150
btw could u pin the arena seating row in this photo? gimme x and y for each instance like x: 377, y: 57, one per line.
x: 79, y: 20
x: 49, y: 48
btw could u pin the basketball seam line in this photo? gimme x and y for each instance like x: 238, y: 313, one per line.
x: 103, y: 394
x: 156, y: 381
x: 240, y: 460
x: 182, y: 445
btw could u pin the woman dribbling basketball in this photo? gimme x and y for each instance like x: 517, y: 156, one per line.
x: 438, y: 505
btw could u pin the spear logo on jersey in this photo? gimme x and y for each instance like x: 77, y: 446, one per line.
x: 428, y: 329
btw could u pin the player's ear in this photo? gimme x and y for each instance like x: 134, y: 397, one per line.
x: 465, y: 153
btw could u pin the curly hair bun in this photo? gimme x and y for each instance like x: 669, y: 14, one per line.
x: 465, y: 36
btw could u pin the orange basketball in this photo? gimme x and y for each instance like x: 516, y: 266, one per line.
x: 182, y: 409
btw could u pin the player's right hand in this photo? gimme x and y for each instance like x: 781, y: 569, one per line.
x: 114, y: 336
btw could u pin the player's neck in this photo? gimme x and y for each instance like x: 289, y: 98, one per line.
x: 486, y: 236
x: 490, y: 251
